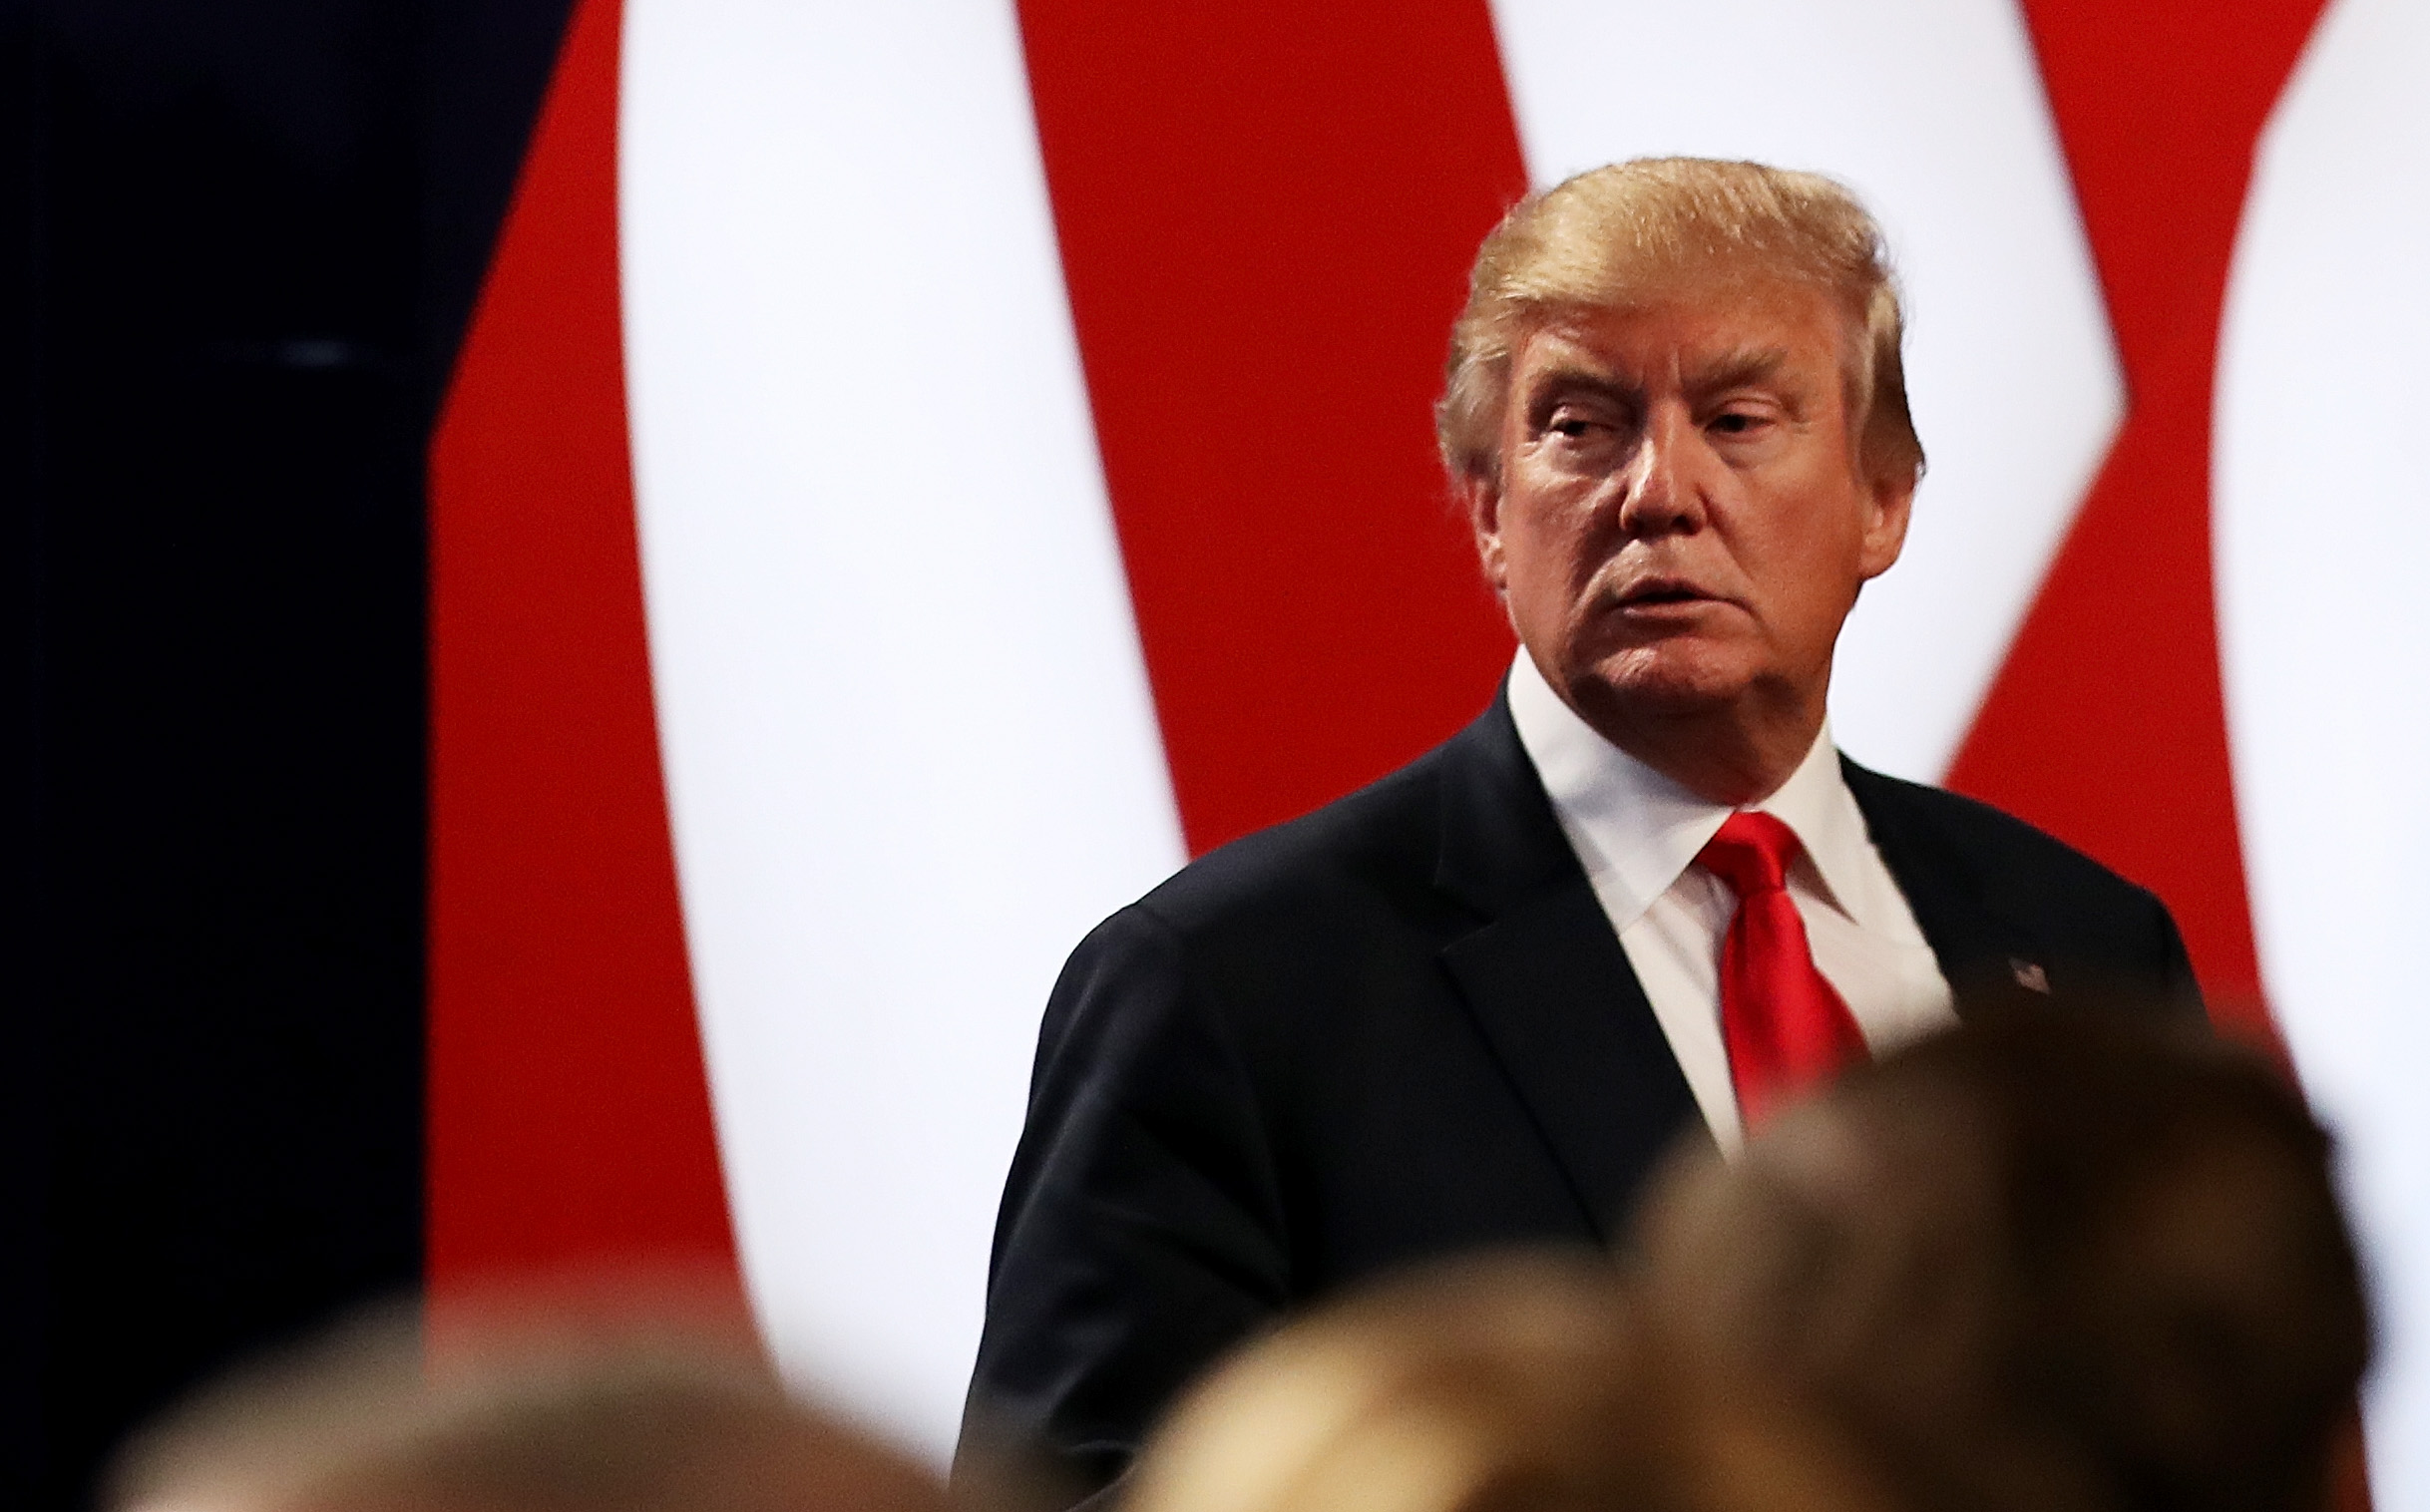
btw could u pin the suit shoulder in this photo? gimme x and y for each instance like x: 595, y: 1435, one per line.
x: 2074, y: 903
x: 1998, y: 842
x: 1380, y: 839
x: 2095, y: 923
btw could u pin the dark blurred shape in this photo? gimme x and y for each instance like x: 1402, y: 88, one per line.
x: 1518, y: 1383
x: 238, y: 242
x: 2050, y: 1260
x: 556, y: 1414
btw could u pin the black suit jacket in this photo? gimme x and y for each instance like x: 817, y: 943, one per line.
x: 1399, y: 1027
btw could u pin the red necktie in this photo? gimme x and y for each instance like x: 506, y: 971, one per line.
x: 1785, y: 1024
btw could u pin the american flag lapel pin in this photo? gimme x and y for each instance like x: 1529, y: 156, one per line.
x: 2030, y: 976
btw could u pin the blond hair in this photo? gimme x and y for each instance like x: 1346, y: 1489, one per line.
x: 1506, y: 1384
x: 1612, y: 236
x: 646, y: 1417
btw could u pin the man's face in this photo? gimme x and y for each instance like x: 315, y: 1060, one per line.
x: 1680, y: 526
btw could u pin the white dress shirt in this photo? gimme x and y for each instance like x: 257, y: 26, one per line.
x: 1637, y: 833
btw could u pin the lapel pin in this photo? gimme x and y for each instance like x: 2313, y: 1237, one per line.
x: 2030, y: 976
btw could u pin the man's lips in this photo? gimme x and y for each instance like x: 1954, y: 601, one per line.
x: 1661, y: 594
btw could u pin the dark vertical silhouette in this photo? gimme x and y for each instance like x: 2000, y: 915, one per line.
x: 241, y: 241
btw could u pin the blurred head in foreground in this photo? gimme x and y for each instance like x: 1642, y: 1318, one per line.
x: 663, y: 1423
x: 2047, y: 1261
x: 1512, y: 1384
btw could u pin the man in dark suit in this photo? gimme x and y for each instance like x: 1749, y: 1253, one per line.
x: 1641, y: 895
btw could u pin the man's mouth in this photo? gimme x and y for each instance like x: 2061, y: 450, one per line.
x: 1658, y: 592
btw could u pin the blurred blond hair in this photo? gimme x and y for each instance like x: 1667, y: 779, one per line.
x: 1622, y: 234
x: 642, y: 1418
x: 1515, y: 1383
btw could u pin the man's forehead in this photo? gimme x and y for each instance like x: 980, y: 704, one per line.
x: 1701, y: 337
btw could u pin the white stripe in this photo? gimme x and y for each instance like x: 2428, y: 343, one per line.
x: 910, y: 747
x: 1932, y: 110
x: 2322, y: 522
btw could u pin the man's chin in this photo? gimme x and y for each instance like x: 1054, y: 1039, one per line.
x: 1638, y: 686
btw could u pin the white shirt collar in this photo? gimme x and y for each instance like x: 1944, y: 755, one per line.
x: 1635, y: 830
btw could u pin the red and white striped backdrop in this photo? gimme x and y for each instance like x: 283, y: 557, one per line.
x: 918, y: 472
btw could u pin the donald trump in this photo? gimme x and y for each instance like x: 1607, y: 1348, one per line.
x: 1642, y: 897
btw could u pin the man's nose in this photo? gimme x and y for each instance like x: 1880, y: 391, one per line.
x: 1662, y: 492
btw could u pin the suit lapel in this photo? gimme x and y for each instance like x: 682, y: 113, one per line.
x: 1554, y: 994
x: 1547, y: 980
x: 1989, y: 959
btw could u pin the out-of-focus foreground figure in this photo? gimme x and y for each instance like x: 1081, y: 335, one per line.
x: 665, y: 1421
x: 2051, y: 1260
x: 2054, y: 1261
x: 1513, y: 1384
x: 2047, y: 1261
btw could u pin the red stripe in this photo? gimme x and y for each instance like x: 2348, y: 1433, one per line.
x: 568, y: 1110
x: 2106, y: 725
x: 1267, y: 212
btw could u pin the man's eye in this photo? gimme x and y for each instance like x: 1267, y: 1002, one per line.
x: 1737, y: 423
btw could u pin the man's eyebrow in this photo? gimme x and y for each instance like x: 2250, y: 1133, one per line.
x: 1729, y: 369
x: 1571, y: 378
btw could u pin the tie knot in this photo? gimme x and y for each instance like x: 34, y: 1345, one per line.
x: 1752, y: 852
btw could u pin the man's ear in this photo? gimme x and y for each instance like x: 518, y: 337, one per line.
x: 1484, y: 494
x: 1891, y: 501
